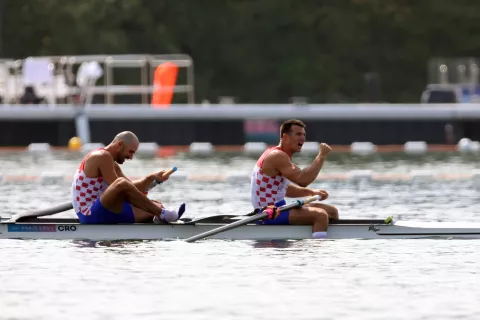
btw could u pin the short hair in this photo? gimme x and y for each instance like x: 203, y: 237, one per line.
x: 287, y: 125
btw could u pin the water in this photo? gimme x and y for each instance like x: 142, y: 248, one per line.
x: 344, y: 279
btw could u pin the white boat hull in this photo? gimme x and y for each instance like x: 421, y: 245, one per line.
x: 75, y: 231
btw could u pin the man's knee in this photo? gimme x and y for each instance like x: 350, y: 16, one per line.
x: 333, y: 213
x: 122, y: 184
x: 321, y: 215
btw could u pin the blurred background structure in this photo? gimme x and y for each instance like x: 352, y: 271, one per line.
x: 234, y: 54
x: 265, y: 51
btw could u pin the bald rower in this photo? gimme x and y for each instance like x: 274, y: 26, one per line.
x: 102, y: 194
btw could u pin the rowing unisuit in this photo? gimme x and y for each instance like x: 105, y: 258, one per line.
x: 268, y: 190
x: 85, y: 190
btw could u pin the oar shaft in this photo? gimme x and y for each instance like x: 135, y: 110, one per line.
x: 228, y: 227
x: 43, y: 212
x: 256, y: 217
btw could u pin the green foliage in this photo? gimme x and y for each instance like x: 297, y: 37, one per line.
x: 259, y: 51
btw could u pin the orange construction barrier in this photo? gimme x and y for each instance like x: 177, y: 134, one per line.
x: 164, y: 81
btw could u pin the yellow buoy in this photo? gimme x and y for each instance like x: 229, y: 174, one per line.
x: 74, y: 144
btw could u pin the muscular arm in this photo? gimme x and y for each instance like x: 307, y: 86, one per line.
x: 294, y: 191
x: 106, y: 167
x: 302, y: 177
x: 141, y: 184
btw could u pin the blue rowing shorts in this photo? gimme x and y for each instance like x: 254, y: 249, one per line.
x: 100, y: 215
x: 282, y: 218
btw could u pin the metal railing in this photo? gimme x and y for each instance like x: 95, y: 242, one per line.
x: 62, y: 87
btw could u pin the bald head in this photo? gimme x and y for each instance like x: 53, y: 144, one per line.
x: 125, y: 144
x: 127, y: 137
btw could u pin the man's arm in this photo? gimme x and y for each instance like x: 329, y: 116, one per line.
x: 294, y: 191
x: 282, y: 163
x: 106, y: 167
x: 141, y: 184
x: 292, y: 172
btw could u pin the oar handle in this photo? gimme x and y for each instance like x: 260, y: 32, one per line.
x: 169, y: 172
x: 166, y: 174
x: 299, y: 203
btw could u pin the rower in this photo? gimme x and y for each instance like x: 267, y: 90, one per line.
x: 101, y: 193
x: 272, y: 176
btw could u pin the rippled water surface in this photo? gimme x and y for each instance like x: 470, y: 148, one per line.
x: 342, y: 279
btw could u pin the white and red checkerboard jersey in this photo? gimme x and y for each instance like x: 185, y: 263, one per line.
x: 267, y: 190
x: 86, y: 190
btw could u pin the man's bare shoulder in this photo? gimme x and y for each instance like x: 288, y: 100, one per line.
x: 277, y: 155
x: 99, y: 157
x: 101, y: 154
x: 275, y: 158
x: 95, y: 161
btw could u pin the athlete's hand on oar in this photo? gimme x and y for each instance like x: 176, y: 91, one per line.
x: 164, y: 174
x: 322, y: 193
x: 324, y: 150
x: 160, y: 177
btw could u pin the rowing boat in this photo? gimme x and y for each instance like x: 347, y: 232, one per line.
x: 71, y: 229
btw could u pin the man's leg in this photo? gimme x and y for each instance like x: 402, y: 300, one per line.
x: 122, y: 190
x: 316, y: 217
x: 142, y: 215
x: 166, y: 216
x: 331, y: 210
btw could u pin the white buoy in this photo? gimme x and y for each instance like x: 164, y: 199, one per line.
x: 39, y: 147
x: 465, y: 145
x: 365, y: 175
x: 415, y: 147
x: 87, y: 147
x: 254, y: 148
x: 311, y: 147
x: 148, y: 149
x: 201, y: 148
x: 363, y: 148
x: 51, y: 177
x: 475, y: 146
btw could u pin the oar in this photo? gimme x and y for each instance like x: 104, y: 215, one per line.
x: 41, y: 213
x: 67, y: 206
x: 254, y: 218
x: 166, y: 174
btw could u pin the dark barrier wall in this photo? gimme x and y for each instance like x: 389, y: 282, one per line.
x: 231, y: 132
x: 377, y: 132
x: 171, y: 132
x: 22, y: 133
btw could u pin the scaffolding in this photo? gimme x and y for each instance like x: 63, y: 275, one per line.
x: 54, y: 78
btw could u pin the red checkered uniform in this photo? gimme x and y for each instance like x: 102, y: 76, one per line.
x: 266, y: 190
x: 86, y: 190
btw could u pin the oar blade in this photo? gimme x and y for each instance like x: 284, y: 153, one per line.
x: 43, y: 212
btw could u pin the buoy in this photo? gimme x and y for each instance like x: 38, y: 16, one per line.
x: 74, y: 144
